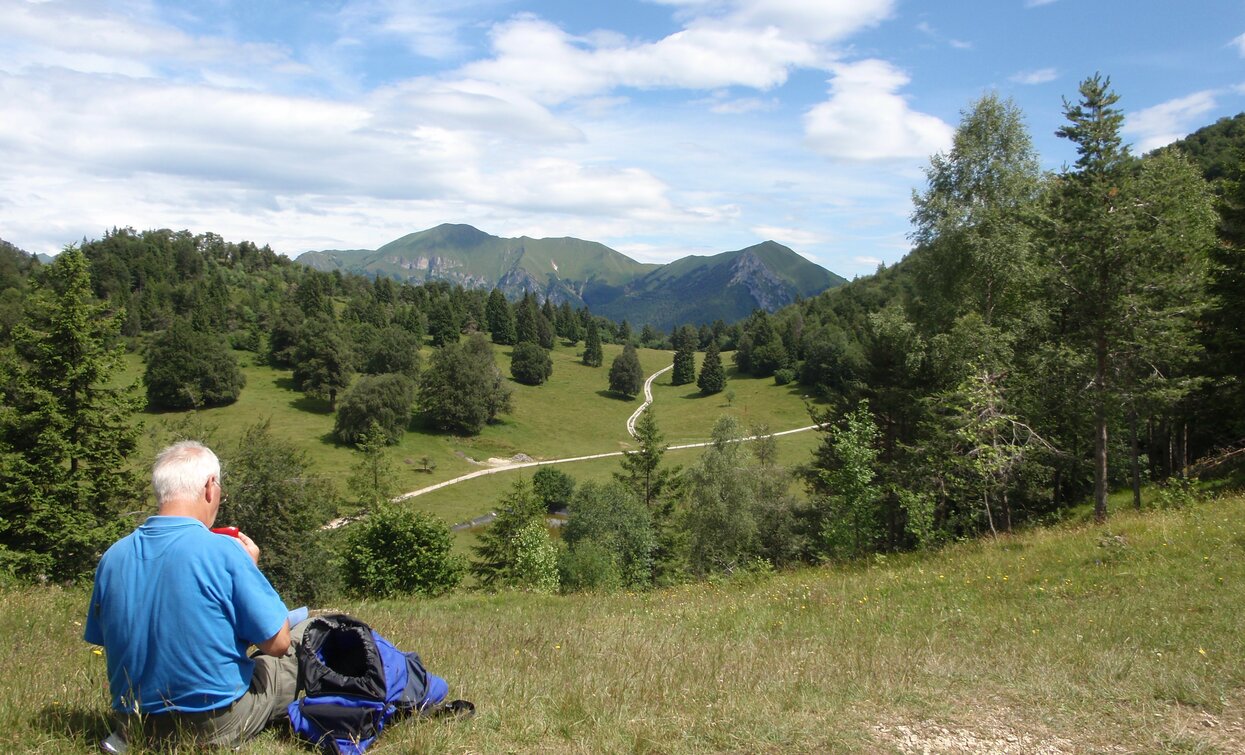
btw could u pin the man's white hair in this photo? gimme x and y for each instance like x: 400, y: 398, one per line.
x: 182, y: 470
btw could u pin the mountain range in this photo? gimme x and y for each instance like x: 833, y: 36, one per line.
x: 693, y: 289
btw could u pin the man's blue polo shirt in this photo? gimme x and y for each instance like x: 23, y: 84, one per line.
x: 175, y: 607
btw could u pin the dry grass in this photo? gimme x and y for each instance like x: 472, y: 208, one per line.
x: 1067, y: 640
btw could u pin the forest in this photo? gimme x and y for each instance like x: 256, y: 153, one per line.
x: 1051, y: 337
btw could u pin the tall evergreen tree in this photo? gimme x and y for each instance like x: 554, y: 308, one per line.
x: 593, y: 355
x: 65, y: 435
x: 276, y: 497
x: 684, y: 356
x: 498, y: 553
x: 641, y: 468
x: 525, y: 316
x: 442, y: 322
x: 712, y: 377
x: 500, y: 318
x: 1129, y: 244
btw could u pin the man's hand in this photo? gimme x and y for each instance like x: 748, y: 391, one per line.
x: 249, y: 546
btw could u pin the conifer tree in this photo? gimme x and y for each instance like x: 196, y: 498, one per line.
x: 642, y: 470
x: 525, y: 317
x: 684, y: 356
x: 499, y: 552
x: 323, y: 363
x: 712, y: 377
x: 1128, y: 243
x: 500, y: 318
x: 65, y: 436
x: 593, y: 355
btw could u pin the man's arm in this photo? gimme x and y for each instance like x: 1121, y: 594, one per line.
x: 278, y: 644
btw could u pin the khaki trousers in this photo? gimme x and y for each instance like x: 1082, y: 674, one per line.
x: 273, y: 687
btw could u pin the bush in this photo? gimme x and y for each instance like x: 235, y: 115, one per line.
x: 530, y: 364
x: 462, y: 389
x: 588, y: 566
x: 385, y: 400
x: 191, y: 369
x: 536, y: 559
x: 276, y: 500
x: 397, y: 551
x: 784, y: 376
x: 626, y: 375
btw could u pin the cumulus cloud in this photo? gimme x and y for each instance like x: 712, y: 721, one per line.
x: 749, y: 43
x: 867, y: 119
x: 1036, y: 76
x: 545, y: 63
x: 1168, y: 121
x: 792, y: 237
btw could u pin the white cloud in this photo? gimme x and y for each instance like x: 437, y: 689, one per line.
x: 1168, y: 121
x: 1037, y: 3
x: 792, y: 237
x: 925, y: 28
x: 96, y: 38
x: 430, y: 28
x: 1036, y: 76
x: 545, y: 63
x: 749, y: 43
x: 1239, y: 42
x: 866, y: 119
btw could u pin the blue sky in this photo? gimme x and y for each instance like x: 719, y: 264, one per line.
x: 660, y: 127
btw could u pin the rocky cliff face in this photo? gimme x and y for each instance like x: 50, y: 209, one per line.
x: 769, y: 290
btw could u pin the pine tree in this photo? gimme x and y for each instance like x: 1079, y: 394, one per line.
x: 525, y: 317
x: 593, y: 355
x: 626, y: 375
x: 65, y: 437
x: 278, y: 500
x: 712, y: 377
x: 1129, y: 243
x: 684, y: 356
x: 500, y: 318
x: 641, y: 468
x: 497, y: 554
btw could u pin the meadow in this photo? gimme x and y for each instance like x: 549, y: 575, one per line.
x: 1076, y: 638
x: 573, y: 414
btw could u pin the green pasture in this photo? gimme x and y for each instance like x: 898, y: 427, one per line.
x: 573, y: 414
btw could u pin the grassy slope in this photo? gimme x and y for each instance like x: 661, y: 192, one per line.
x: 1074, y: 639
x: 571, y: 415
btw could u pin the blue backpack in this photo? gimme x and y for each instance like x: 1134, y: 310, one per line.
x: 352, y: 681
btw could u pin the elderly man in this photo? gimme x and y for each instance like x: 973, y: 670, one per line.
x: 176, y: 607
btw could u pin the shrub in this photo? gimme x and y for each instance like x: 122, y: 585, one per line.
x: 191, y: 369
x: 530, y: 364
x: 588, y: 566
x: 397, y: 551
x: 784, y: 376
x: 384, y: 400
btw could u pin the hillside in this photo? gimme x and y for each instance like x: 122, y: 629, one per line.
x: 695, y: 290
x: 1071, y: 639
